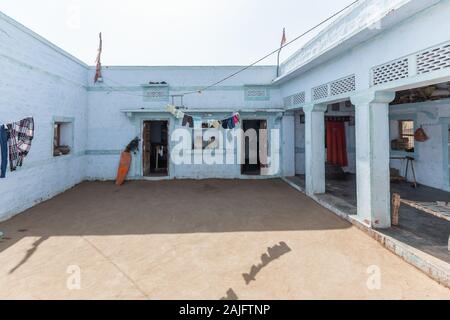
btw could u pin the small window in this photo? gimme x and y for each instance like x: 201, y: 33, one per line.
x: 62, y: 138
x: 406, y: 133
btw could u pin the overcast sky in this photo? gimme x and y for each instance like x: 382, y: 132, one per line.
x: 171, y: 32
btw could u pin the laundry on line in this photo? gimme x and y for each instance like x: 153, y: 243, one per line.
x: 196, y: 122
x: 15, y: 142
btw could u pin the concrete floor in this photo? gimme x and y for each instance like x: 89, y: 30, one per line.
x: 416, y: 228
x: 196, y: 240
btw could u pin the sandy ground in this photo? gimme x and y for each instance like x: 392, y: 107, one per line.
x: 197, y: 240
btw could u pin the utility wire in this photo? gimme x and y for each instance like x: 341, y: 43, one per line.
x: 257, y: 61
x: 274, y: 51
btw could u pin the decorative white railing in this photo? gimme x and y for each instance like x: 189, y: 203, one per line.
x: 364, y: 14
x: 334, y: 88
x: 421, y: 62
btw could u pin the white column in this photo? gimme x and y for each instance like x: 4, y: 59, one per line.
x: 315, y: 147
x: 372, y: 157
x: 288, y: 145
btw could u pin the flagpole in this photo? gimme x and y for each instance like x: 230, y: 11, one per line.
x: 283, y: 42
x: 278, y: 62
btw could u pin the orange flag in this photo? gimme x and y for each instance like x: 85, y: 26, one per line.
x: 283, y: 39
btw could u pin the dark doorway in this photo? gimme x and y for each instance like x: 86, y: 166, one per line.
x: 155, y: 148
x: 248, y: 168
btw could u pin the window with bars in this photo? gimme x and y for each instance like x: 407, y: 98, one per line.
x: 406, y: 134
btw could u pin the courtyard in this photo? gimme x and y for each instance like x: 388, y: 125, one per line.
x: 189, y: 239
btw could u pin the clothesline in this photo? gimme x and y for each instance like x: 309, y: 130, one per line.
x: 196, y: 121
x: 169, y: 109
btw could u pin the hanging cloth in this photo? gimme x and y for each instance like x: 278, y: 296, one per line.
x: 187, y: 119
x: 236, y: 119
x: 420, y: 135
x: 336, y: 143
x: 171, y: 108
x: 216, y: 124
x: 3, y: 150
x: 231, y: 124
x: 20, y: 136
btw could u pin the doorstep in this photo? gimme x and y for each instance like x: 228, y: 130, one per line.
x: 436, y: 269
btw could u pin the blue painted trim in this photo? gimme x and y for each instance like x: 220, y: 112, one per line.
x: 45, y: 162
x: 102, y: 152
x: 101, y: 87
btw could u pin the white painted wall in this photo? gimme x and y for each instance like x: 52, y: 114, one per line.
x: 389, y: 41
x: 288, y: 145
x: 429, y: 155
x: 40, y: 80
x: 110, y: 129
x: 413, y: 34
x: 349, y: 135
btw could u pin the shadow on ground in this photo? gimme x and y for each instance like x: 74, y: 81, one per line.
x: 169, y: 207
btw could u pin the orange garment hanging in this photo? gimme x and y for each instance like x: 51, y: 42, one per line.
x: 336, y: 143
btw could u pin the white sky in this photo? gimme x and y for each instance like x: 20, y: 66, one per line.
x: 171, y: 32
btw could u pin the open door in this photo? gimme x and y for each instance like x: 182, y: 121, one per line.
x: 250, y: 167
x: 155, y: 153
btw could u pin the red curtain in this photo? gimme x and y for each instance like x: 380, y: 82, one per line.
x: 336, y: 144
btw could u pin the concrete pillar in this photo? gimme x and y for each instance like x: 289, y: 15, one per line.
x: 288, y: 145
x: 315, y: 147
x: 372, y: 157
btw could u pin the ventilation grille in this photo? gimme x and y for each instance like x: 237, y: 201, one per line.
x: 433, y: 59
x: 287, y: 101
x: 294, y: 100
x: 257, y: 93
x: 390, y: 71
x: 342, y: 86
x: 320, y: 92
x: 156, y: 94
x: 298, y: 98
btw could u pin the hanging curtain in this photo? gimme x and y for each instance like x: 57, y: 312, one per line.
x: 336, y: 143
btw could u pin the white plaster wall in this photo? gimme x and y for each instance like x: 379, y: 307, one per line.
x: 288, y: 145
x: 299, y: 144
x: 414, y: 34
x: 349, y: 135
x: 39, y: 80
x: 110, y: 129
x: 42, y: 81
x: 429, y: 155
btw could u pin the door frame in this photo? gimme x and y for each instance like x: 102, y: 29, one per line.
x: 243, y: 149
x: 140, y: 163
